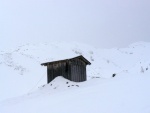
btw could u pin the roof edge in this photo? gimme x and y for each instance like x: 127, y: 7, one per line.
x: 81, y: 57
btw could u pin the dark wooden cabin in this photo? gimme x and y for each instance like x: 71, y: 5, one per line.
x: 73, y: 69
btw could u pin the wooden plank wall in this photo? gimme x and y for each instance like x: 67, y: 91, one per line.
x: 78, y: 70
x: 74, y: 70
x: 58, y: 69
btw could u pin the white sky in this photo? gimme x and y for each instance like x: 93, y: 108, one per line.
x: 102, y: 23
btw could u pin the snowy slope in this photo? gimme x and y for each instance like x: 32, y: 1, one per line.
x: 21, y: 73
x: 21, y: 70
x: 23, y: 63
x: 118, y: 95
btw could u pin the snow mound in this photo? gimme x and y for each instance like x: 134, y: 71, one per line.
x: 59, y: 84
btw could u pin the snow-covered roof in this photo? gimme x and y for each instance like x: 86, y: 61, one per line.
x: 79, y: 57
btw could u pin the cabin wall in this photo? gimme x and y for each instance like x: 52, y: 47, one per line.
x: 58, y: 69
x: 78, y: 70
x: 74, y: 70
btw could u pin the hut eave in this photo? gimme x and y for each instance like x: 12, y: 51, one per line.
x: 80, y: 57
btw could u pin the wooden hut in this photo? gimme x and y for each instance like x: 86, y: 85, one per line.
x: 73, y: 69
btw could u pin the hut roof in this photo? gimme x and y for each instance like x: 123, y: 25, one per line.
x: 79, y: 57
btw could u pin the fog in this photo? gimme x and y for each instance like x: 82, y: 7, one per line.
x: 100, y: 23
